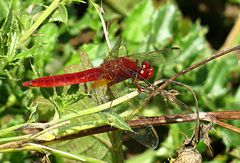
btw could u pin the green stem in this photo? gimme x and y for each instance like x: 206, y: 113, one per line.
x: 62, y: 153
x: 12, y: 139
x: 117, y: 147
x: 65, y: 120
x: 98, y: 108
x: 39, y: 21
x: 105, y: 31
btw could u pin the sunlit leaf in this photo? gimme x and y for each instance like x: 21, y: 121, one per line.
x: 137, y: 23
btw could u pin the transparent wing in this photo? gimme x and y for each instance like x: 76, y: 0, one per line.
x: 116, y: 47
x: 154, y: 57
x: 145, y: 135
x: 114, y: 53
x: 158, y: 56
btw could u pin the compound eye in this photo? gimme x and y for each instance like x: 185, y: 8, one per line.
x: 150, y: 73
x: 146, y: 71
x: 145, y: 65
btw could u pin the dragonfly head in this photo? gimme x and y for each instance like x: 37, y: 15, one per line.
x: 146, y: 71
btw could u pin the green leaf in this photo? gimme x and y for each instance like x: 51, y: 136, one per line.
x: 89, y: 20
x: 192, y: 44
x: 9, y: 35
x: 4, y: 9
x: 60, y: 15
x: 149, y: 25
x: 47, y: 37
x: 165, y: 22
x: 235, y: 153
x: 97, y: 147
x: 115, y: 120
x: 33, y: 117
x: 137, y: 24
x: 7, y: 23
x: 47, y: 92
x: 218, y: 76
x: 27, y: 53
x: 45, y: 42
x: 96, y: 53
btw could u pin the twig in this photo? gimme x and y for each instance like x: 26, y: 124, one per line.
x: 39, y: 21
x: 192, y: 67
x: 100, y: 12
x: 232, y: 36
x: 213, y: 117
x: 196, y: 134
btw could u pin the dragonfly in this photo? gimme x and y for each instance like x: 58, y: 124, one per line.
x: 113, y: 72
x: 115, y: 69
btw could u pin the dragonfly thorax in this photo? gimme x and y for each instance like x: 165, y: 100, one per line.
x: 146, y: 71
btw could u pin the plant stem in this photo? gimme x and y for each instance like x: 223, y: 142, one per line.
x: 213, y: 117
x: 115, y: 137
x: 194, y: 66
x: 39, y: 21
x: 98, y: 108
x: 100, y: 11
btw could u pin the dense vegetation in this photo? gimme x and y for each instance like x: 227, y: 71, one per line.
x: 40, y: 38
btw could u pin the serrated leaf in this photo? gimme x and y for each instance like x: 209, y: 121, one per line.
x: 115, y: 120
x: 7, y: 23
x: 33, y: 117
x: 26, y: 53
x: 46, y: 42
x: 47, y: 36
x: 60, y: 15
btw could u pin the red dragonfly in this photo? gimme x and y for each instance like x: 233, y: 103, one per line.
x: 112, y: 71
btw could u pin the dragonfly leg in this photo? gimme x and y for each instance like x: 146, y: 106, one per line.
x: 109, y: 91
x: 112, y: 97
x: 139, y: 88
x: 147, y: 88
x: 170, y: 96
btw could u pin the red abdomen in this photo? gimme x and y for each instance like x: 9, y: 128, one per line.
x: 65, y: 79
x: 114, y: 71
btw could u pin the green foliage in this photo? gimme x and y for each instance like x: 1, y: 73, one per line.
x: 39, y: 38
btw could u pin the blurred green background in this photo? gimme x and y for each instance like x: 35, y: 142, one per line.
x: 198, y: 28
